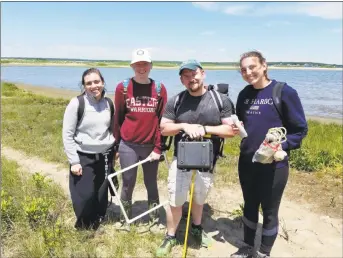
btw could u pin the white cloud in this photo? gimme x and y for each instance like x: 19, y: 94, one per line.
x: 322, y: 10
x: 237, y: 9
x: 332, y: 10
x: 207, y: 33
x: 222, y: 50
x: 207, y: 6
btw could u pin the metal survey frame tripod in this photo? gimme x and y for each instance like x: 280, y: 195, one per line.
x: 165, y: 147
x: 118, y: 198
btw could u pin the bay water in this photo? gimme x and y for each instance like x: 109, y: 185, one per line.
x: 320, y: 91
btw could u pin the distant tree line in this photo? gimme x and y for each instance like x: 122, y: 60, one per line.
x: 160, y: 63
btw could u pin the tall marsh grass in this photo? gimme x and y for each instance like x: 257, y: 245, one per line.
x: 37, y: 221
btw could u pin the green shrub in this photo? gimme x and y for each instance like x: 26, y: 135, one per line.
x: 8, y: 212
x: 40, y: 182
x: 37, y: 210
x: 321, y: 148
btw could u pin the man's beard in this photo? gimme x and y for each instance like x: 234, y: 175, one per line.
x: 192, y: 89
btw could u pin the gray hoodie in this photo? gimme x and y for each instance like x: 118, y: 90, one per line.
x: 93, y: 134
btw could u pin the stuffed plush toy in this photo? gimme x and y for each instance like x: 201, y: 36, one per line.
x: 270, y: 149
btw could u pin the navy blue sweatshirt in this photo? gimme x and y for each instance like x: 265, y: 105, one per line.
x: 255, y: 108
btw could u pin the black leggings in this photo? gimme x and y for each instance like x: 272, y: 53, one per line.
x: 262, y: 184
x: 88, y: 202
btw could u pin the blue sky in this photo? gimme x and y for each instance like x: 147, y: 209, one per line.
x: 208, y: 31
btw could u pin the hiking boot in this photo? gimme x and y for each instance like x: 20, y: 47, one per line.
x: 243, y: 252
x: 200, y: 237
x: 258, y: 254
x: 168, y: 243
x: 154, y: 215
x: 128, y: 209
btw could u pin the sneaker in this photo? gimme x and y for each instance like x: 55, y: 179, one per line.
x: 201, y: 237
x: 261, y: 255
x: 243, y: 252
x: 166, y: 246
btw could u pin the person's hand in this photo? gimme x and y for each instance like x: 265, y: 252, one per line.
x: 116, y: 156
x: 76, y: 169
x: 154, y: 156
x: 235, y: 129
x: 194, y: 130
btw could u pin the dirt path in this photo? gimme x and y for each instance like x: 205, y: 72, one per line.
x: 302, y: 233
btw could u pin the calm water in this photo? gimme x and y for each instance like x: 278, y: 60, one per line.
x: 320, y: 91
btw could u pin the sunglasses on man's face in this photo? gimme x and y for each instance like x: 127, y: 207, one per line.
x: 89, y: 83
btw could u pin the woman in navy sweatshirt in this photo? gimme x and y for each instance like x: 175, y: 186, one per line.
x: 263, y: 184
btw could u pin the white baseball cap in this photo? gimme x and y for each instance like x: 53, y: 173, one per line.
x: 140, y: 55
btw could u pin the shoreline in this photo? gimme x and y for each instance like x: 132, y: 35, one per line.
x: 161, y: 67
x: 68, y: 94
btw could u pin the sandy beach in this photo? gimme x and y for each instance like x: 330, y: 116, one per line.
x: 68, y: 94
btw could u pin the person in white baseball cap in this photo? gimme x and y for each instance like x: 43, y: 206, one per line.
x: 139, y: 104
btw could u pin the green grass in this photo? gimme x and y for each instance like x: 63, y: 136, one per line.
x: 321, y: 149
x: 37, y: 221
x: 33, y: 124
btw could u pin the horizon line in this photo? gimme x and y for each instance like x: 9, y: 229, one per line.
x: 122, y: 60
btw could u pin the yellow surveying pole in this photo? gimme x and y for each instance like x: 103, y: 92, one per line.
x: 184, y: 251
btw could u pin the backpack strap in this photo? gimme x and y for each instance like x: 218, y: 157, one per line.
x: 110, y: 103
x: 219, y: 104
x: 126, y: 83
x: 217, y: 99
x: 158, y: 88
x: 178, y: 101
x: 276, y: 95
x: 80, y: 109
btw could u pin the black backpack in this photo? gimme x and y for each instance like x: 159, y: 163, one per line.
x: 276, y: 95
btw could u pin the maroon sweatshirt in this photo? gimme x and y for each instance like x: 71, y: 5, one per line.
x: 137, y: 120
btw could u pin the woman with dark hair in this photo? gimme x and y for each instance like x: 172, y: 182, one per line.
x: 263, y: 177
x: 88, y: 143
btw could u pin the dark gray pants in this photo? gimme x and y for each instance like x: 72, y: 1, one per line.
x: 129, y: 154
